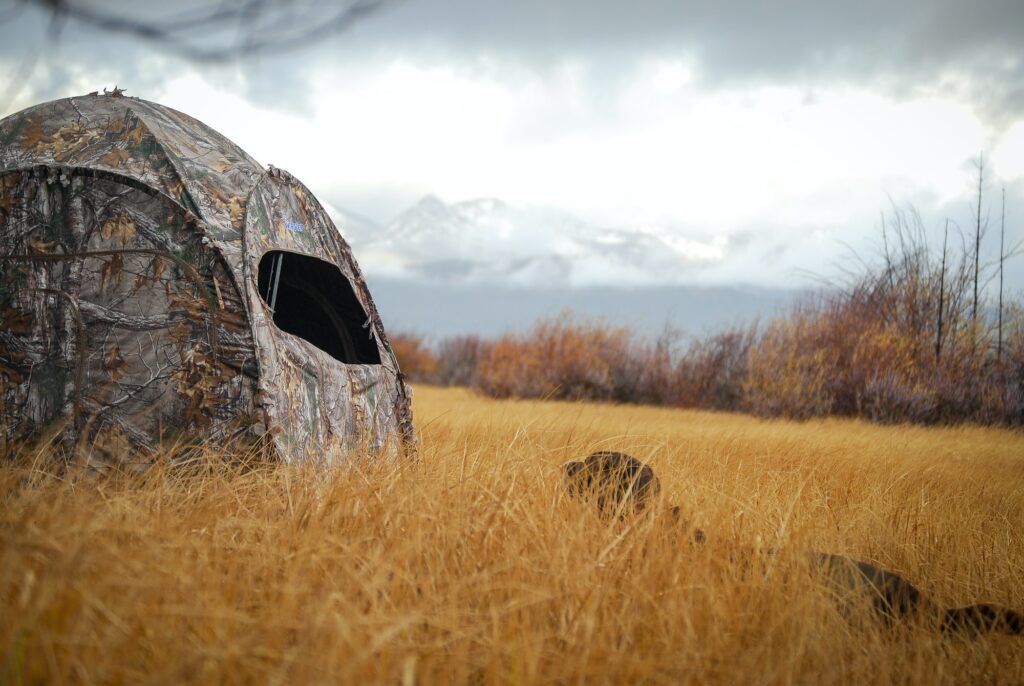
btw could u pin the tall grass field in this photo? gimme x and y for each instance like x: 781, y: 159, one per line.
x: 470, y: 565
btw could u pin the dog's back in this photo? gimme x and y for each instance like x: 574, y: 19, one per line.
x: 621, y: 484
x: 891, y: 595
x: 895, y: 598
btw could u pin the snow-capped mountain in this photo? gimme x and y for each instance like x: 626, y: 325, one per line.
x: 355, y: 228
x: 488, y: 240
x: 486, y: 267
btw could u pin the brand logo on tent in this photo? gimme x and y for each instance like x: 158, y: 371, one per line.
x: 297, y: 227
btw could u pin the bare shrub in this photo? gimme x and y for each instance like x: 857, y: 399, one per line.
x: 458, y: 359
x: 415, y: 358
x: 789, y: 369
x: 899, y: 341
x: 713, y: 369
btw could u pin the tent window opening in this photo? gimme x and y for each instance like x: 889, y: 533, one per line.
x: 312, y: 299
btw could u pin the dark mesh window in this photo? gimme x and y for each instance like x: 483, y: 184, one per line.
x: 313, y: 300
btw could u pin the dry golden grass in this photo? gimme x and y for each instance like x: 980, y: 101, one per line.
x: 470, y: 565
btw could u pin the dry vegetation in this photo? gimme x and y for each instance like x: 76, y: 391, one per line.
x: 470, y: 565
x: 919, y: 334
x: 869, y: 354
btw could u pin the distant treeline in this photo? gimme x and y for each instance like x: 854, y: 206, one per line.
x: 922, y: 334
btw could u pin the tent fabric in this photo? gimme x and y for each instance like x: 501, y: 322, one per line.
x: 130, y: 240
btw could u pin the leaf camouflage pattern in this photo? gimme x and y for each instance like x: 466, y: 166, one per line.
x: 133, y: 242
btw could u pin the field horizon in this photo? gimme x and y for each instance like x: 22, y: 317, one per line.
x: 469, y: 564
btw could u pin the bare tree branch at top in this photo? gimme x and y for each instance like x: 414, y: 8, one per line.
x: 216, y: 32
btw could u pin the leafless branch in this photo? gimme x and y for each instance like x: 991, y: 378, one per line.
x: 204, y: 35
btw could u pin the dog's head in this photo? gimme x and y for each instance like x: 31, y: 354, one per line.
x: 620, y: 484
x: 617, y: 482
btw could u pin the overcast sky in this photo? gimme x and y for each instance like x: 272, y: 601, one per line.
x: 777, y: 131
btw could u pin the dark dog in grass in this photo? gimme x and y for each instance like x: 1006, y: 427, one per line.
x: 621, y: 485
x: 618, y: 483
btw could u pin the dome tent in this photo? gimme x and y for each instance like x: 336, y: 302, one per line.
x: 156, y: 281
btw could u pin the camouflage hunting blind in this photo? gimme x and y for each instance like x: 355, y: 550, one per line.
x: 156, y: 282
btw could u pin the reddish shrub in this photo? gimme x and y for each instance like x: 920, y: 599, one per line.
x: 415, y: 359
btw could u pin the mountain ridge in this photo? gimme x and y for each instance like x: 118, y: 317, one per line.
x: 486, y: 240
x: 483, y: 266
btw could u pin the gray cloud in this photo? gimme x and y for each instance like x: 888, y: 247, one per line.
x: 903, y: 47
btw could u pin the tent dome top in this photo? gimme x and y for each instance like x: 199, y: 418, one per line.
x: 156, y: 146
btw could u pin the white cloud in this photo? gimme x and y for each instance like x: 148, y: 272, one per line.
x: 1008, y: 157
x: 814, y: 166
